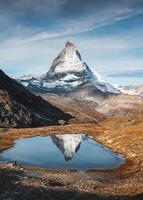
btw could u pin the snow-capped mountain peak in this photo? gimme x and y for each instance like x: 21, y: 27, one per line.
x: 69, y: 72
x: 69, y: 44
x: 68, y: 60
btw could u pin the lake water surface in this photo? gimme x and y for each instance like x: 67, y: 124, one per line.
x: 67, y: 151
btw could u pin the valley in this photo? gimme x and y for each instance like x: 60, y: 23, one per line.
x: 71, y: 100
x: 122, y: 135
x: 54, y: 127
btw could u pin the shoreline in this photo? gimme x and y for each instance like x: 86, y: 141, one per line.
x: 125, y: 181
x: 8, y: 141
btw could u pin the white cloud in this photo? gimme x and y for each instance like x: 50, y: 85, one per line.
x: 109, y: 13
x: 83, y: 24
x: 104, y: 53
x: 35, y: 47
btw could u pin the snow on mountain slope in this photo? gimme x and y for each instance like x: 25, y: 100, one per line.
x: 68, y: 60
x: 132, y: 90
x: 26, y: 77
x: 70, y: 77
x: 67, y: 73
x: 68, y: 144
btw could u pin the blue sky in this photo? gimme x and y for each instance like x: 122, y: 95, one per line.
x: 108, y: 34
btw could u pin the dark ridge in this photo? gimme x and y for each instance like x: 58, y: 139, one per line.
x: 20, y: 108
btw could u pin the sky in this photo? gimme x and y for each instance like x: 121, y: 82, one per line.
x: 107, y: 33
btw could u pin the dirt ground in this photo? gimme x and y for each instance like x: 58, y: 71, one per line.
x: 20, y: 184
x: 122, y: 135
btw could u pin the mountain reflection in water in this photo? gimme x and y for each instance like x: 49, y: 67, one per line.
x: 80, y: 150
x: 69, y: 144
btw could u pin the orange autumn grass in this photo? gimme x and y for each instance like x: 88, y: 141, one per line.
x: 123, y: 135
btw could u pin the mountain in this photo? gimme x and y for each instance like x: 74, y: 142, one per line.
x: 68, y: 74
x: 21, y: 108
x: 122, y: 104
x: 73, y: 82
x: 82, y: 112
x: 68, y: 144
x: 132, y: 90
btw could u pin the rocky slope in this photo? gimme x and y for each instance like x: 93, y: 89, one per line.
x: 71, y: 78
x: 122, y: 104
x: 21, y: 108
x: 86, y: 111
x: 82, y: 112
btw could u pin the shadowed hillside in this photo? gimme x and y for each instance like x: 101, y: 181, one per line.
x: 21, y: 108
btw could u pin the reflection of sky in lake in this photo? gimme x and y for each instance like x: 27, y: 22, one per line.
x: 86, y: 153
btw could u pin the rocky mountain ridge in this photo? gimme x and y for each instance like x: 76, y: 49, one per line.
x: 68, y: 73
x: 74, y: 82
x: 21, y: 108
